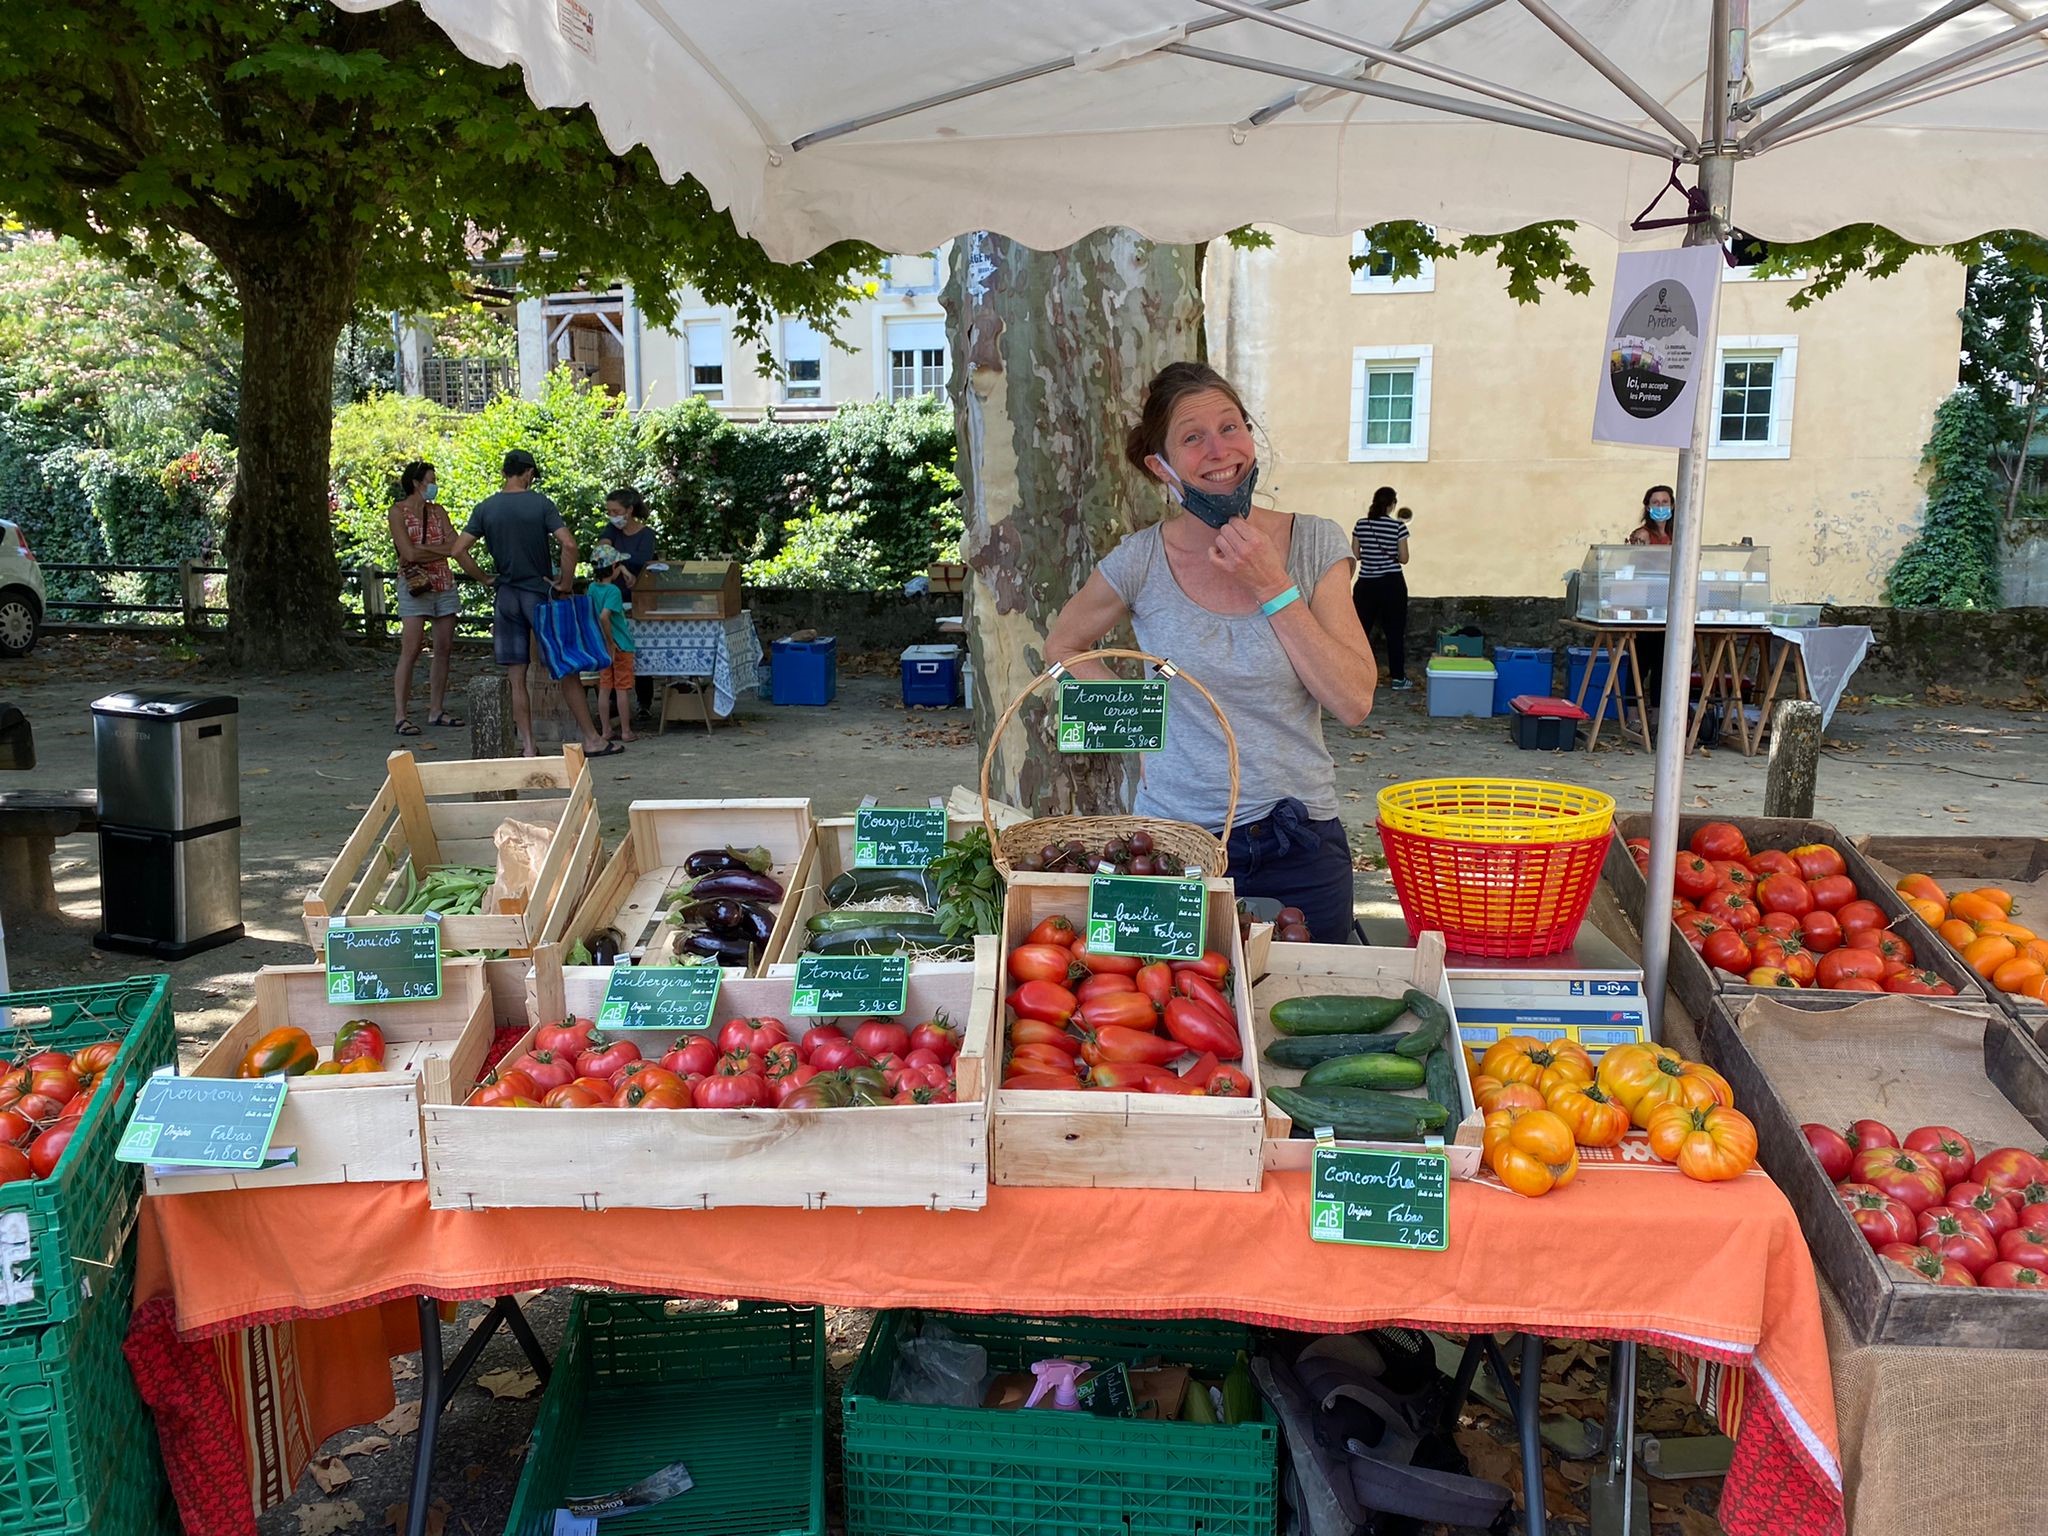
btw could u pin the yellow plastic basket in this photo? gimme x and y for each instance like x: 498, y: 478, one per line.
x: 1511, y: 812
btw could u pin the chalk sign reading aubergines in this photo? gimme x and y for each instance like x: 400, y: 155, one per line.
x: 1154, y: 916
x: 400, y: 964
x: 677, y: 997
x: 1380, y: 1199
x: 905, y: 837
x: 1112, y: 717
x: 839, y: 986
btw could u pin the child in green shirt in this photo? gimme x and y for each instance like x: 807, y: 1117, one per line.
x: 616, y: 680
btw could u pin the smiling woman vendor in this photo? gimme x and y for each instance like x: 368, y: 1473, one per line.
x: 1257, y: 604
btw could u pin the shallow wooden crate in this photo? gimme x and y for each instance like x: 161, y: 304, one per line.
x: 832, y: 856
x: 660, y: 834
x: 1699, y: 985
x: 1126, y: 1140
x: 362, y: 1128
x: 1351, y: 970
x: 425, y: 815
x: 689, y: 589
x: 931, y: 1155
x: 1976, y: 1071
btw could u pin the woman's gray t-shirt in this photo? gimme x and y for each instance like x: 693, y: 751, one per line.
x: 1238, y: 658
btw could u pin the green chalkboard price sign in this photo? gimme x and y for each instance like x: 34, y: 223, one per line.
x: 203, y: 1122
x: 678, y: 997
x: 1112, y: 717
x: 1152, y: 915
x: 384, y: 965
x: 900, y: 837
x: 1380, y: 1199
x: 839, y: 986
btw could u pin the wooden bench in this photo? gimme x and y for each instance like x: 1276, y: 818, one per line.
x: 31, y: 821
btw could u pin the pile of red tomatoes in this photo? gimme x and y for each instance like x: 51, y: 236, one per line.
x: 43, y: 1096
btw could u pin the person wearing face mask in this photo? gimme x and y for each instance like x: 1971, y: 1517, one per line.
x: 1257, y: 604
x: 1655, y: 528
x: 424, y: 539
x: 630, y: 536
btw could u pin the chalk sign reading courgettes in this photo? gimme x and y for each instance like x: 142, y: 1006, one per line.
x: 1112, y: 716
x: 898, y: 837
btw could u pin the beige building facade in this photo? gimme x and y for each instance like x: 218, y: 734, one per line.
x: 1479, y: 411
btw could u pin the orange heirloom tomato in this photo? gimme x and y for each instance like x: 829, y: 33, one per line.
x: 286, y: 1050
x: 1999, y: 899
x: 1531, y: 1151
x: 1521, y: 1059
x: 1643, y: 1078
x: 1923, y: 888
x: 1987, y: 954
x: 1709, y: 1143
x: 1976, y: 907
x: 361, y: 1064
x: 1518, y: 1096
x: 1596, y: 1120
x: 1958, y: 934
x: 1484, y: 1087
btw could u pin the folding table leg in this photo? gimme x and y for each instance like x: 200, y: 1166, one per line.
x: 1617, y: 1501
x: 1525, y: 1392
x: 438, y: 1386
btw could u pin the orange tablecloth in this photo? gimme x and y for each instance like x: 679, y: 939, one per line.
x: 1717, y: 1272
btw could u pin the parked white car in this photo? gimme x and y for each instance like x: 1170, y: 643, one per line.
x: 22, y: 599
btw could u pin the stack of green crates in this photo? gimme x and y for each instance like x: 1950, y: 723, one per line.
x: 916, y: 1470
x: 78, y: 1450
x: 737, y: 1396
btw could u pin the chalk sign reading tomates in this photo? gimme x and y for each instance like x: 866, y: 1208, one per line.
x: 898, y: 837
x: 841, y: 986
x: 1380, y: 1199
x: 398, y: 964
x: 1112, y: 716
x: 1154, y: 916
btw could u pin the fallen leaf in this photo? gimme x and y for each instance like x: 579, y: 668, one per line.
x: 1693, y: 1523
x: 472, y: 1472
x: 329, y: 1515
x: 437, y: 1518
x: 369, y: 1445
x: 1700, y: 802
x: 402, y: 1420
x: 330, y: 1472
x: 404, y: 1368
x: 509, y: 1383
x: 1953, y: 809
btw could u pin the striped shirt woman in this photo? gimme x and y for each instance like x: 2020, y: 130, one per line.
x: 1377, y: 542
x: 1380, y: 541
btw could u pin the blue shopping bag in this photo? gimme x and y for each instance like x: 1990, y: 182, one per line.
x: 570, y: 641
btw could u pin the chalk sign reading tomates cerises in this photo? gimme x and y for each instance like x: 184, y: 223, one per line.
x: 1112, y: 716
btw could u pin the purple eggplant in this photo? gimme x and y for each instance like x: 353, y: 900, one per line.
x: 759, y: 923
x: 727, y: 916
x: 716, y: 946
x: 711, y: 861
x: 746, y: 884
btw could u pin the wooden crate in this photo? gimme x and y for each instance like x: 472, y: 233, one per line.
x: 362, y: 1128
x: 947, y: 576
x: 1305, y: 970
x: 689, y: 589
x: 1700, y: 985
x: 1779, y: 1086
x: 660, y: 835
x: 425, y: 816
x: 931, y: 1155
x: 1126, y: 1140
x: 831, y: 858
x: 2015, y: 864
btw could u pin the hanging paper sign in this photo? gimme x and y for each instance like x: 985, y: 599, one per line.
x: 1380, y: 1199
x: 203, y: 1122
x: 1657, y: 354
x: 1154, y: 916
x: 1112, y: 717
x: 840, y: 986
x: 666, y: 997
x: 384, y: 965
x: 898, y: 837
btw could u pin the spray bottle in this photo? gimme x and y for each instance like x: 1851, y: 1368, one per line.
x: 1057, y: 1377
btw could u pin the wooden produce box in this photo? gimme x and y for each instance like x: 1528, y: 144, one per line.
x: 1909, y: 1064
x: 689, y: 589
x: 425, y: 815
x: 2015, y: 864
x: 832, y: 857
x: 947, y: 576
x: 362, y: 1128
x: 1300, y: 970
x: 1699, y: 985
x: 931, y: 1155
x: 660, y: 835
x: 1125, y: 1140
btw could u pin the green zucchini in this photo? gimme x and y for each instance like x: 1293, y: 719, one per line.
x: 1195, y: 1406
x: 1440, y: 1079
x: 862, y: 883
x: 1307, y: 1050
x: 879, y: 939
x: 1378, y: 1071
x: 1435, y: 1024
x: 1240, y: 1397
x: 1327, y: 1015
x: 1359, y: 1113
x: 865, y: 917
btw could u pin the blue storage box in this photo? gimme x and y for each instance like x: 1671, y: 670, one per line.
x: 1522, y: 669
x: 1460, y: 686
x: 1575, y: 660
x: 804, y: 671
x: 931, y: 676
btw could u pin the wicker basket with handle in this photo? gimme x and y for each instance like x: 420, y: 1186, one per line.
x: 1181, y: 841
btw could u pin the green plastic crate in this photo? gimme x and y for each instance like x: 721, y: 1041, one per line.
x: 737, y: 1397
x: 78, y: 1450
x: 59, y: 1235
x: 913, y: 1470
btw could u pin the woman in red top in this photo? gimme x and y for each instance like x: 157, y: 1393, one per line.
x: 424, y: 539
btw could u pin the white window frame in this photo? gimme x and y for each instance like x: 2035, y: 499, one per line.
x: 1365, y: 361
x: 788, y: 355
x: 1784, y: 351
x: 897, y: 324
x: 717, y: 325
x: 1362, y: 280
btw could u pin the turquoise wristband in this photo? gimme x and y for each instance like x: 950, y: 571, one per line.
x: 1291, y: 595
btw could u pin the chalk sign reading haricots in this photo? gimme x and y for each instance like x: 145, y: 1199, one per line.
x: 203, y: 1122
x: 1112, y: 716
x: 665, y: 997
x: 1380, y: 1199
x: 898, y: 837
x: 1159, y: 917
x: 844, y: 986
x: 399, y: 964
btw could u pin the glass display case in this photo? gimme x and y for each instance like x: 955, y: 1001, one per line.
x: 1631, y: 584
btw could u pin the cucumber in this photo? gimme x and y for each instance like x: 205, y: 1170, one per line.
x: 1307, y: 1050
x: 1435, y: 1024
x: 1240, y: 1397
x: 1440, y: 1079
x: 1359, y: 1113
x: 1377, y: 1071
x: 881, y: 882
x: 1325, y: 1015
x: 833, y: 922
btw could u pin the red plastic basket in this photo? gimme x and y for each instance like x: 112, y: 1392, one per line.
x: 1501, y: 900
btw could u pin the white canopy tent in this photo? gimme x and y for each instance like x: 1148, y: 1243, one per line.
x: 907, y: 122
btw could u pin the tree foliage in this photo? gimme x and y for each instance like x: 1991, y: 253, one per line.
x: 1953, y: 561
x: 1531, y: 256
x: 2005, y: 350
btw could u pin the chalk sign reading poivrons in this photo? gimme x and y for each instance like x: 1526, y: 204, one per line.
x: 839, y: 986
x: 1155, y: 916
x: 1380, y: 1199
x: 1112, y: 716
x: 203, y: 1122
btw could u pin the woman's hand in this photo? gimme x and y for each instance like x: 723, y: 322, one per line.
x: 1249, y: 558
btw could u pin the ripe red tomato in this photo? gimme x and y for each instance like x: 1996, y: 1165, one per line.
x: 938, y: 1036
x: 1831, y: 1150
x: 570, y: 1039
x: 1732, y: 909
x: 1832, y: 892
x: 741, y: 1090
x: 780, y: 1091
x: 546, y: 1069
x: 1764, y: 949
x: 1802, y: 967
x: 1897, y: 953
x: 1695, y: 928
x: 1928, y: 1266
x: 2002, y: 1211
x: 59, y: 1083
x: 1949, y: 1150
x: 1054, y: 930
x: 47, y: 1148
x: 1879, y: 1217
x: 574, y: 1095
x: 1960, y: 1235
x: 93, y: 1060
x: 1694, y: 877
x: 1817, y: 861
x: 639, y: 1095
x: 755, y: 1035
x: 14, y: 1165
x: 1784, y: 893
x: 1040, y: 962
x: 780, y: 1061
x: 1859, y: 915
x: 733, y: 1063
x: 837, y: 1055
x: 603, y: 1061
x: 1905, y: 1176
x: 15, y: 1127
x: 1841, y: 966
x: 1782, y: 925
x: 1733, y: 875
x: 879, y: 1037
x: 1096, y: 962
x: 2024, y: 1245
x: 1866, y: 1134
x: 1719, y: 840
x: 2008, y: 1276
x: 2034, y: 1213
x: 510, y: 1087
x: 2009, y: 1170
x: 1109, y: 981
x: 1821, y: 930
x: 698, y: 1054
x: 817, y: 1035
x: 1909, y: 982
x: 1725, y: 951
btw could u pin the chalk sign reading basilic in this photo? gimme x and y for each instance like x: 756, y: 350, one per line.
x: 837, y: 986
x: 899, y: 837
x: 665, y: 997
x: 1380, y: 1199
x: 1159, y: 917
x: 203, y: 1122
x: 384, y: 965
x: 1112, y: 717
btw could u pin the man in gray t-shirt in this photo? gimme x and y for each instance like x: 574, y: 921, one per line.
x: 517, y: 526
